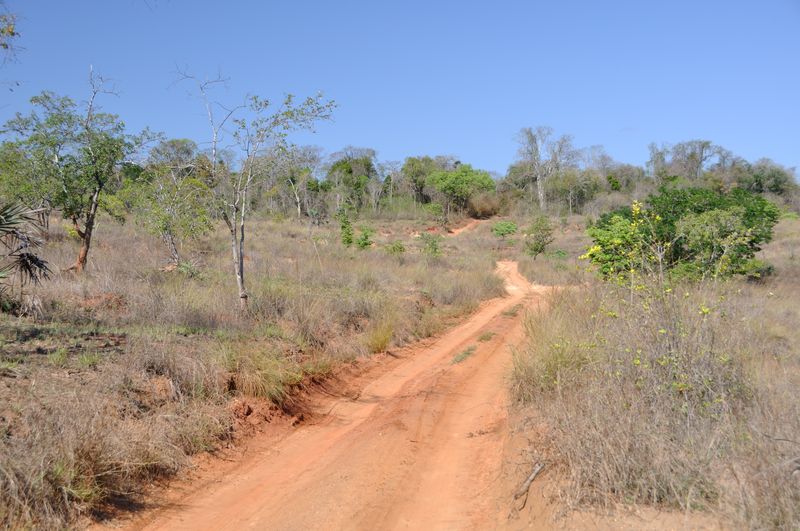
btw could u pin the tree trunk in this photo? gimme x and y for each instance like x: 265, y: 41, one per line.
x: 174, y: 255
x: 540, y: 193
x: 236, y: 228
x: 86, y: 234
x: 240, y: 270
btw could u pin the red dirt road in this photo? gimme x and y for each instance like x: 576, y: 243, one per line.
x: 421, y: 446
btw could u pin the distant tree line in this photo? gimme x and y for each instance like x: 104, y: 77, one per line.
x: 75, y: 160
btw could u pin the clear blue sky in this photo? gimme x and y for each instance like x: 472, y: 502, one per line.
x: 440, y: 77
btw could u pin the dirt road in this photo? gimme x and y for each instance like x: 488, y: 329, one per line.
x: 421, y: 447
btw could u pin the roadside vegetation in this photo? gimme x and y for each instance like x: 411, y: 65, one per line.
x: 669, y: 377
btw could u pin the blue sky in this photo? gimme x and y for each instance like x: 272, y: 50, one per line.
x: 440, y: 77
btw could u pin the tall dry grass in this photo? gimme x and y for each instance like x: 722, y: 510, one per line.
x: 679, y: 396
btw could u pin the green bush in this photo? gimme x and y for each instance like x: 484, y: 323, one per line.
x: 431, y: 244
x: 538, y: 236
x: 345, y: 227
x: 501, y: 229
x: 460, y: 184
x: 693, y: 232
x: 364, y: 240
x: 395, y: 248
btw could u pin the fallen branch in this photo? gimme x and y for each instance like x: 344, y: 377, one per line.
x: 523, y: 490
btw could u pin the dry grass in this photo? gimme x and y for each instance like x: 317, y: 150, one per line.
x: 128, y: 370
x: 681, y: 396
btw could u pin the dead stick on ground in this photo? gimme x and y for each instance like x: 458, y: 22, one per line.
x: 523, y: 490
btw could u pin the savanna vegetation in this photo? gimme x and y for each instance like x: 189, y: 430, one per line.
x: 152, y: 285
x: 669, y: 378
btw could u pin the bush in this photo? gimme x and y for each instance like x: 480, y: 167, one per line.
x: 364, y: 240
x: 483, y: 205
x: 501, y: 229
x: 345, y: 227
x: 460, y: 184
x: 538, y: 236
x: 431, y: 244
x: 694, y: 230
x: 395, y: 248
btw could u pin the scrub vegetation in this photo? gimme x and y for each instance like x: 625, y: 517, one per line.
x: 151, y: 285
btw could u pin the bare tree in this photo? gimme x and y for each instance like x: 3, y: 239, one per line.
x: 542, y: 156
x: 257, y: 127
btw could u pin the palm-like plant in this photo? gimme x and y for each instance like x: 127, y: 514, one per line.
x: 20, y: 237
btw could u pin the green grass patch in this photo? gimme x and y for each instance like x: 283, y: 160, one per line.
x: 469, y: 351
x: 486, y: 336
x: 58, y: 358
x: 513, y: 311
x: 89, y: 360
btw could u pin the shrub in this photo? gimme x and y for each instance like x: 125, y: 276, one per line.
x: 483, y: 205
x: 395, y: 248
x: 695, y: 230
x: 501, y: 229
x: 431, y: 244
x: 538, y: 236
x: 460, y: 184
x: 364, y: 240
x: 345, y: 227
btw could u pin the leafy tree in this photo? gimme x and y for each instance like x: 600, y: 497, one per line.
x: 460, y: 184
x: 352, y: 173
x: 501, y: 229
x: 417, y: 170
x: 24, y: 179
x: 766, y: 176
x: 538, y: 236
x: 76, y: 155
x: 170, y: 196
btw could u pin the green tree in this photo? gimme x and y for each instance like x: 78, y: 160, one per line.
x: 25, y: 179
x: 76, y: 153
x: 417, y: 170
x: 170, y: 197
x: 458, y: 185
x: 766, y: 176
x: 351, y: 174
